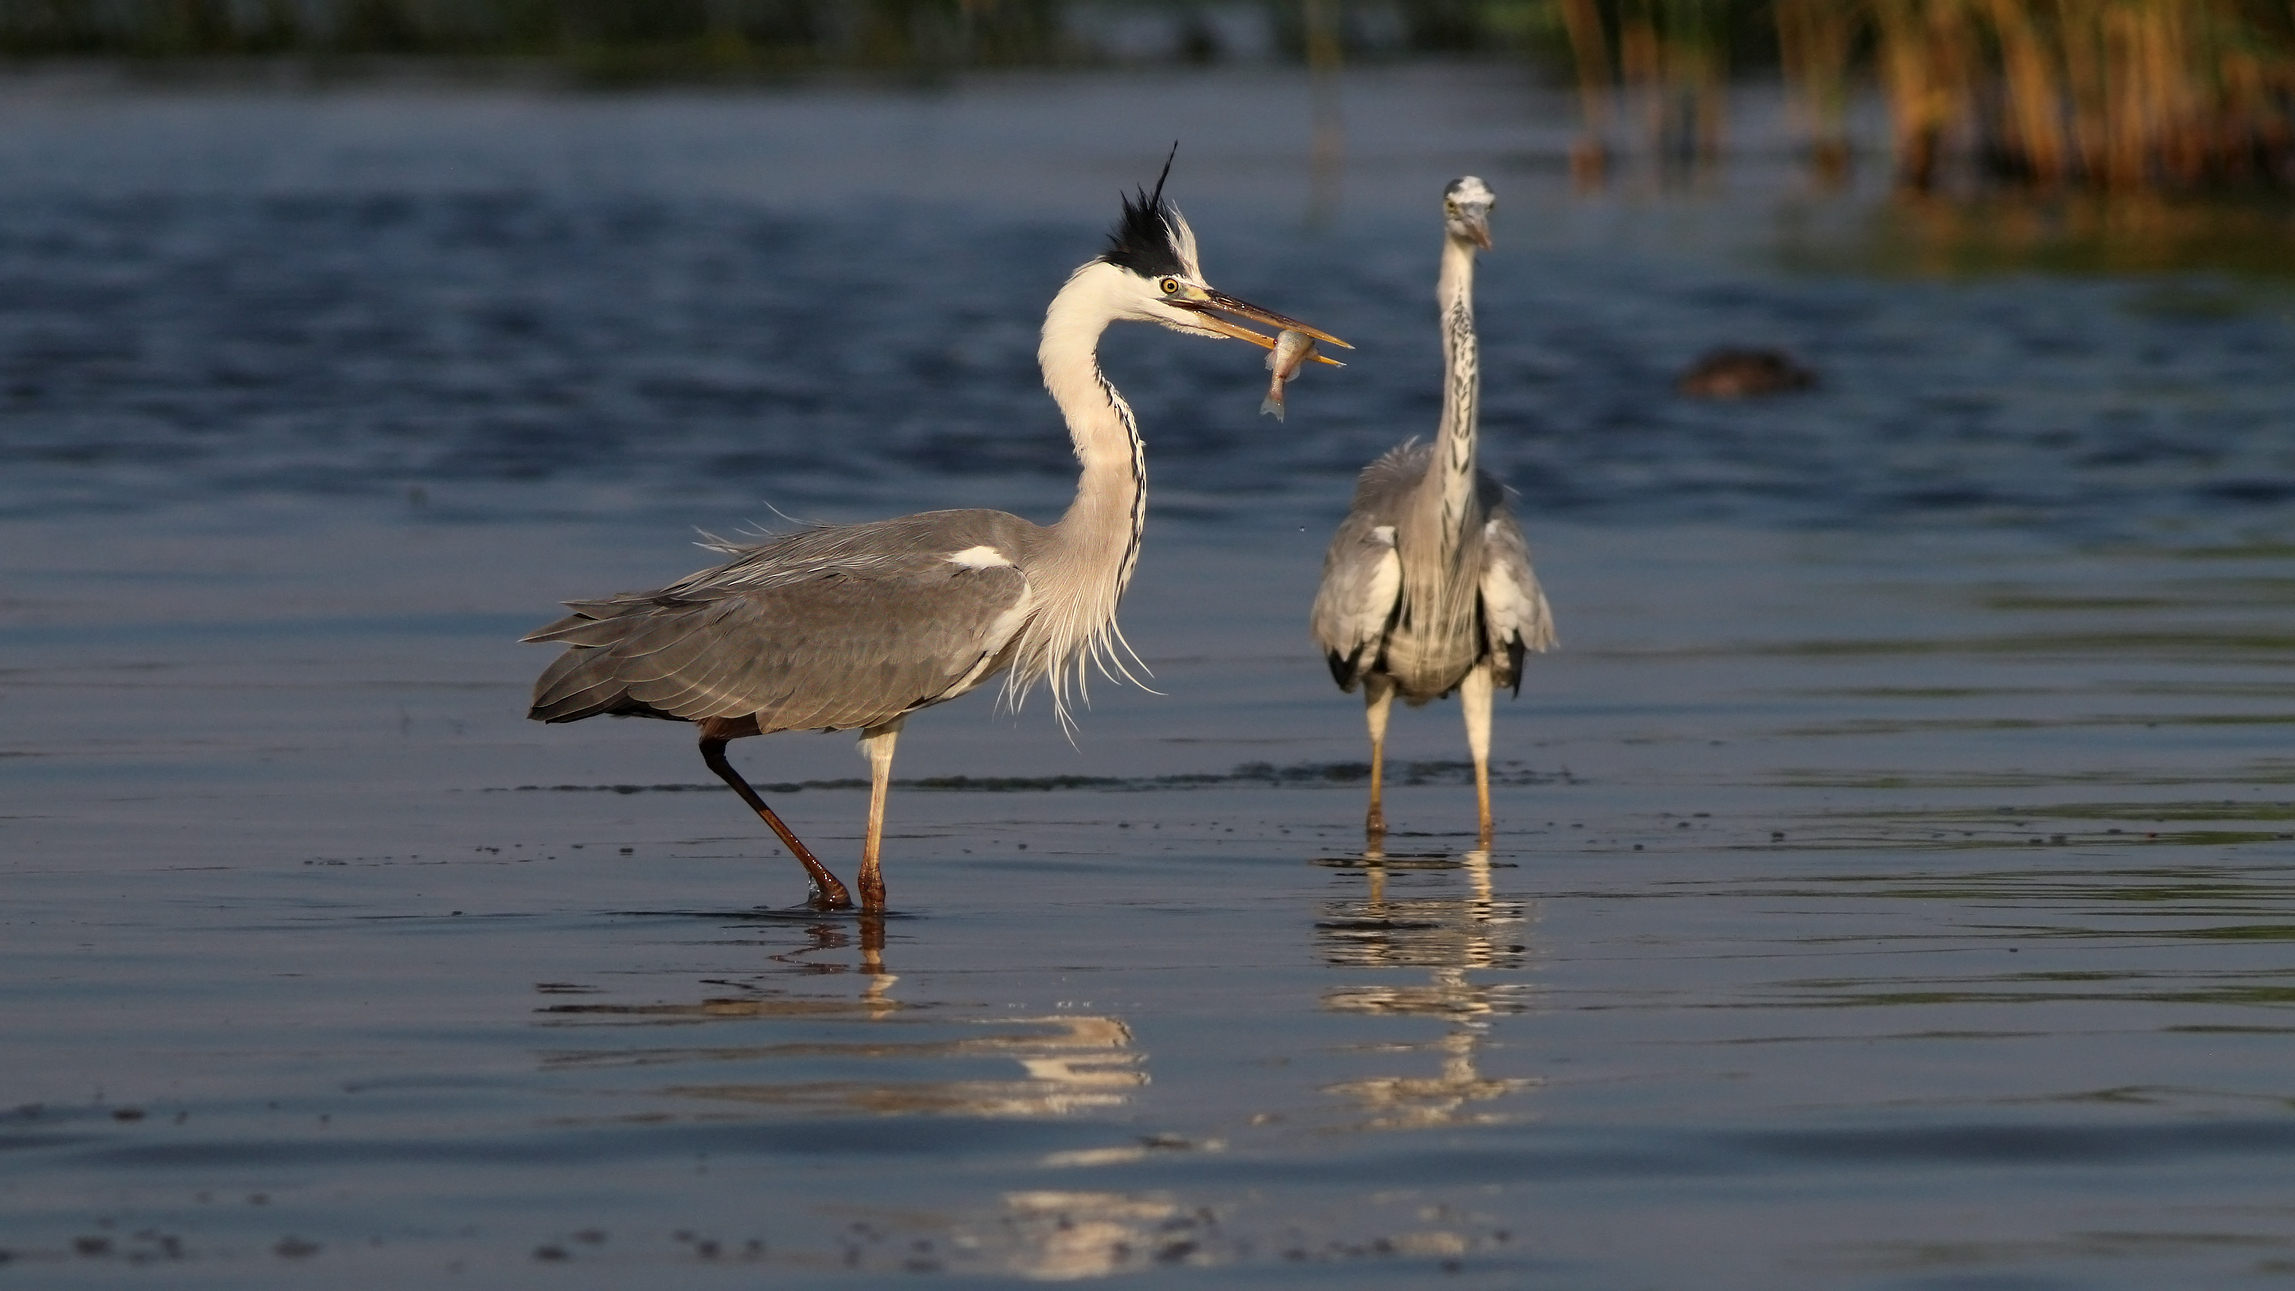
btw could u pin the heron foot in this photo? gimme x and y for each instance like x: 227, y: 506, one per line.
x: 828, y: 894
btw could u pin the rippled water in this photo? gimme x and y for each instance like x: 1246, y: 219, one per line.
x: 1894, y: 878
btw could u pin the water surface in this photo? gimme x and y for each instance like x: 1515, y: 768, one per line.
x: 1893, y: 883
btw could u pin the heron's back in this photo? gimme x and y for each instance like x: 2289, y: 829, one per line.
x: 828, y: 628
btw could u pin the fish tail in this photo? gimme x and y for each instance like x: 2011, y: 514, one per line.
x: 1272, y: 406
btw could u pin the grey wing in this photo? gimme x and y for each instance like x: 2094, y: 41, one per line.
x: 1354, y: 607
x: 849, y: 642
x: 1515, y: 616
x: 1385, y: 485
x: 1362, y: 573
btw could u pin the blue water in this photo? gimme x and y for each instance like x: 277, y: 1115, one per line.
x: 1893, y: 880
x: 363, y: 295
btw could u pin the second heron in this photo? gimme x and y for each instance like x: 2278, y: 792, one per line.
x: 1427, y: 587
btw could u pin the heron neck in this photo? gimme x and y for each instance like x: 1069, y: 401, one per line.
x: 1111, y: 497
x: 1092, y: 550
x: 1461, y: 388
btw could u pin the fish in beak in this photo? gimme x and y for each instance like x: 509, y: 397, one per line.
x: 1207, y: 305
x: 1291, y: 352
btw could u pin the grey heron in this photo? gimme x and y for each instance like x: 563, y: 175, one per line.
x: 838, y: 627
x: 1427, y: 586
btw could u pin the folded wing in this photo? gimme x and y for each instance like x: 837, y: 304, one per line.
x: 827, y: 629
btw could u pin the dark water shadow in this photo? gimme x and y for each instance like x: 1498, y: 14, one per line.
x: 1380, y: 860
x: 1244, y: 774
x: 797, y: 914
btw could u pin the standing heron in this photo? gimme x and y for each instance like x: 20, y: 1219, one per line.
x: 856, y: 626
x: 1427, y: 587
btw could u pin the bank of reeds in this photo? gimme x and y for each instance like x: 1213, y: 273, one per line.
x: 2104, y: 94
x: 2111, y: 94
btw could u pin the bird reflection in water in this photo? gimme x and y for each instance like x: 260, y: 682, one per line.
x: 1452, y: 936
x: 831, y: 936
x: 1067, y: 1063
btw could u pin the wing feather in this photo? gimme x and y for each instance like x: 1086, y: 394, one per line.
x: 1382, y: 486
x: 1362, y: 572
x: 693, y: 676
x: 1515, y: 616
x: 827, y: 628
x: 1362, y: 587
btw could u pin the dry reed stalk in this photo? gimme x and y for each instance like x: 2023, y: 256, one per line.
x: 1590, y: 49
x: 1928, y: 64
x: 2035, y: 99
x: 1670, y: 60
x: 1696, y: 65
x: 1641, y: 62
x: 1327, y: 152
x: 1814, y: 42
x: 2132, y: 48
x: 2116, y: 94
x: 2080, y: 53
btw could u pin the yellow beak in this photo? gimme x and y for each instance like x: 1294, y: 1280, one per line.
x: 1226, y: 304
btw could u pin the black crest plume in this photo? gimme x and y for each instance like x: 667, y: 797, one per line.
x: 1142, y: 239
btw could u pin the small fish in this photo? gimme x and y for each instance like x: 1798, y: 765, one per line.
x: 1291, y: 352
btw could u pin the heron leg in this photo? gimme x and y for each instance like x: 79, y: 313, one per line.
x: 877, y: 744
x: 1378, y: 701
x: 1474, y: 697
x: 827, y: 891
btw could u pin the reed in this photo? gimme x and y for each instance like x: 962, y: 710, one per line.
x: 1815, y: 42
x: 1590, y: 51
x: 2098, y: 94
x: 2105, y: 94
x: 2110, y: 94
x: 1671, y: 68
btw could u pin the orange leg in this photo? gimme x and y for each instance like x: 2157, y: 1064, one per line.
x: 828, y: 893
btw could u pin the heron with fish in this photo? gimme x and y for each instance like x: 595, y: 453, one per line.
x: 1427, y: 586
x: 854, y: 627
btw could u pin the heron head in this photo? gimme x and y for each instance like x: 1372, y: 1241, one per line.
x: 1466, y: 206
x: 1160, y: 280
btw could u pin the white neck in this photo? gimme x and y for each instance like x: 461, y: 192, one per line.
x: 1461, y: 388
x: 1094, y: 547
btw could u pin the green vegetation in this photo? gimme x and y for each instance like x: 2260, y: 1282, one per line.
x: 595, y: 39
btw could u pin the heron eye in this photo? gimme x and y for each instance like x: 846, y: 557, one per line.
x: 1169, y: 285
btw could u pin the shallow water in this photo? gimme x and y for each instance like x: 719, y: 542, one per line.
x: 1895, y: 864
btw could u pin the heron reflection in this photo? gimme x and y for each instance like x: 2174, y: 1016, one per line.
x: 1453, y: 937
x: 866, y: 1052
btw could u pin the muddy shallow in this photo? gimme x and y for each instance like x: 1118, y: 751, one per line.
x: 1893, y: 885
